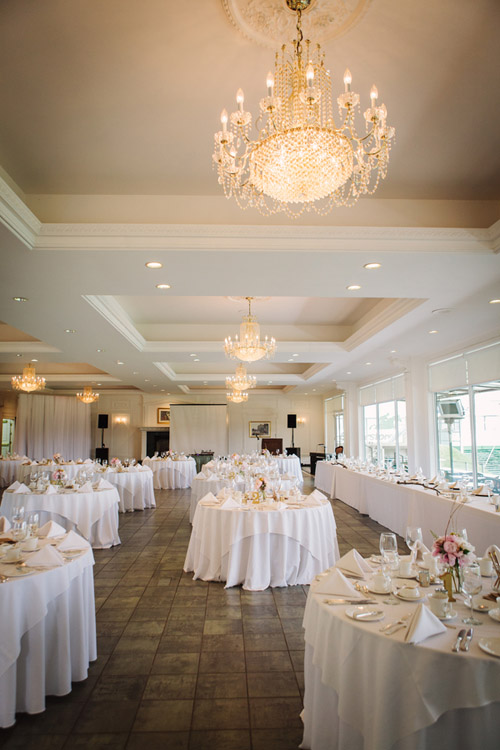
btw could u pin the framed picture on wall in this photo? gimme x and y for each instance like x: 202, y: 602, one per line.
x: 163, y: 416
x: 259, y: 429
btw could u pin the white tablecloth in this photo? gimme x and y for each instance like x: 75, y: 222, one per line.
x: 171, y: 475
x: 261, y: 548
x: 23, y: 472
x: 291, y: 465
x: 396, y: 506
x: 324, y: 477
x: 200, y: 486
x: 8, y: 470
x: 134, y: 487
x: 93, y: 514
x: 368, y: 691
x: 47, y: 635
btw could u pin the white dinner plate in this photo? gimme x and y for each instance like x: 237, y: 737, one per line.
x: 12, y: 562
x: 20, y: 572
x: 494, y: 614
x: 355, y: 613
x: 409, y: 598
x: 490, y: 646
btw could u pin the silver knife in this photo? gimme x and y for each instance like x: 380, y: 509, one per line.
x: 464, y: 646
x: 349, y: 601
x: 456, y: 647
x: 371, y: 613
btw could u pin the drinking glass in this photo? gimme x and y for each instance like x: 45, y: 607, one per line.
x: 388, y: 546
x: 471, y: 586
x: 33, y: 523
x: 19, y: 530
x: 413, y: 535
x: 17, y: 513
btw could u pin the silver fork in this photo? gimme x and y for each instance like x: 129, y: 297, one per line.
x: 396, y: 625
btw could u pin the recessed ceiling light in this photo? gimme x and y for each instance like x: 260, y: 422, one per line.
x: 393, y: 351
x: 146, y: 380
x: 492, y: 301
x: 348, y: 372
x: 193, y: 355
x: 367, y: 363
x: 205, y: 382
x: 295, y: 355
x: 314, y: 389
x: 353, y: 287
x: 99, y: 350
x: 69, y: 330
x: 433, y: 331
x: 119, y: 362
x: 163, y: 286
x: 371, y: 266
x: 162, y: 390
x: 168, y: 394
x: 99, y: 383
x: 196, y: 359
x: 19, y: 355
x: 269, y: 382
x: 291, y: 360
x: 20, y: 299
x: 34, y: 360
x: 154, y: 264
x: 306, y: 394
x: 135, y: 372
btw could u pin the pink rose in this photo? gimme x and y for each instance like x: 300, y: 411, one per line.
x: 450, y: 547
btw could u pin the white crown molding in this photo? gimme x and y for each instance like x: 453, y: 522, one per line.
x: 108, y: 307
x: 17, y: 217
x: 494, y: 232
x: 377, y: 321
x: 67, y: 377
x: 27, y: 347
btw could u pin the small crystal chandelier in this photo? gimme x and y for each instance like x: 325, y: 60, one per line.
x: 249, y: 347
x: 88, y: 396
x: 237, y: 397
x: 241, y: 381
x: 28, y: 381
x: 301, y: 161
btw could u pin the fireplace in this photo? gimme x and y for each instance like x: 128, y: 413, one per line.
x: 154, y: 439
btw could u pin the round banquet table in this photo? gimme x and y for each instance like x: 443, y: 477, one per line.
x: 367, y: 691
x: 171, y: 475
x: 93, y: 514
x: 48, y: 634
x: 8, y: 470
x: 290, y: 465
x: 260, y: 548
x: 135, y: 487
x: 24, y: 470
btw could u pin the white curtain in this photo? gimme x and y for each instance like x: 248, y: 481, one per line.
x: 52, y: 424
x: 197, y: 427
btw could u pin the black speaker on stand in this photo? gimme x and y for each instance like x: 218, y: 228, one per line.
x: 102, y: 453
x: 292, y: 424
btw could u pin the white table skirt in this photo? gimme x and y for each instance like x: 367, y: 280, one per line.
x: 201, y: 486
x: 171, y: 475
x: 396, y: 506
x: 291, y: 465
x: 368, y: 691
x: 324, y: 477
x: 134, y: 488
x: 93, y: 514
x: 261, y: 548
x: 8, y: 471
x: 47, y: 637
x: 23, y: 472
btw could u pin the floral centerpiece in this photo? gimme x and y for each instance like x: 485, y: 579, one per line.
x: 115, y: 463
x: 260, y: 486
x: 58, y: 476
x: 58, y: 459
x: 454, y: 552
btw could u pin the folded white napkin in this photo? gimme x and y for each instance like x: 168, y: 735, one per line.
x: 205, y: 470
x: 421, y: 550
x: 4, y: 524
x: 352, y: 562
x: 210, y: 464
x: 223, y: 493
x: 72, y: 540
x: 146, y: 459
x: 51, y: 529
x: 209, y: 499
x: 88, y: 461
x: 315, y: 498
x: 336, y: 584
x: 132, y: 469
x: 103, y: 484
x: 422, y: 625
x: 14, y: 486
x: 87, y: 487
x: 21, y: 489
x: 47, y: 557
x: 51, y: 490
x: 229, y: 503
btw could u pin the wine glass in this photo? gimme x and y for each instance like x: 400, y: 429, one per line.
x: 33, y: 523
x: 388, y: 546
x: 472, y: 585
x: 413, y: 535
x: 19, y: 530
x: 17, y: 513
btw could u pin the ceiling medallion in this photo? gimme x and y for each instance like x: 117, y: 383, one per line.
x: 28, y: 381
x: 241, y: 381
x: 237, y: 397
x: 88, y: 396
x: 268, y: 22
x: 300, y: 160
x: 249, y: 347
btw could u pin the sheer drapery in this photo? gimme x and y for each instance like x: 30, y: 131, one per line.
x: 52, y: 424
x: 197, y: 427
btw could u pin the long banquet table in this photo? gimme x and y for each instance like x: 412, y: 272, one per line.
x: 48, y: 634
x: 260, y: 547
x: 171, y: 474
x: 368, y: 691
x: 135, y: 487
x: 397, y: 506
x: 93, y: 514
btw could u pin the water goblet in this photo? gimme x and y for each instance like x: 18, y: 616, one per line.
x: 472, y: 585
x: 17, y: 513
x: 413, y: 535
x: 33, y: 524
x: 19, y: 530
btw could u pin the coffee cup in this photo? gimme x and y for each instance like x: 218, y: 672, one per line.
x: 405, y: 568
x: 410, y: 592
x: 486, y: 566
x: 439, y: 604
x: 31, y: 543
x: 381, y: 583
x: 12, y: 554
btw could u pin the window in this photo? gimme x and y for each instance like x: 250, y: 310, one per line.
x: 7, y: 436
x: 334, y: 423
x: 385, y: 433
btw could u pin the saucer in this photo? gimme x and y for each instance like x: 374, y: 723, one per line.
x: 355, y: 613
x: 13, y: 562
x: 490, y: 646
x: 410, y: 575
x: 373, y: 590
x: 494, y: 614
x: 483, y: 605
x: 409, y: 598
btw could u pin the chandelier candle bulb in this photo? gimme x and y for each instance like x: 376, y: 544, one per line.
x: 374, y: 95
x: 270, y: 83
x: 347, y: 80
x: 223, y: 119
x: 310, y: 74
x: 240, y: 98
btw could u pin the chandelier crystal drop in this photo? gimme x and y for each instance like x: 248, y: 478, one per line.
x: 241, y: 381
x: 249, y: 347
x: 237, y: 397
x: 28, y: 381
x: 301, y: 160
x: 88, y: 396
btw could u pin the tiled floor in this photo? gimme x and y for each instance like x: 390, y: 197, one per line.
x: 182, y: 663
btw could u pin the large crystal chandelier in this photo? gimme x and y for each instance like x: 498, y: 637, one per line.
x: 88, y: 396
x: 241, y: 381
x: 237, y: 397
x: 28, y: 381
x: 301, y: 160
x: 249, y: 346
